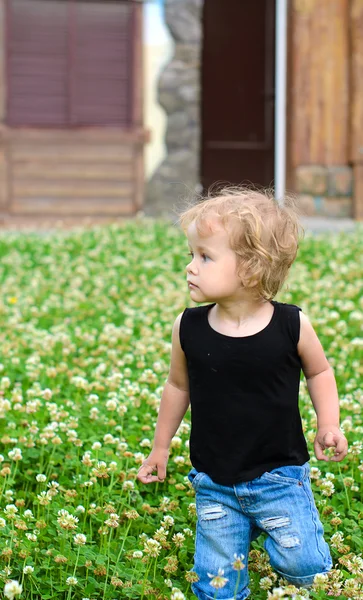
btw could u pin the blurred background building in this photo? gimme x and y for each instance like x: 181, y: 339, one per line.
x: 218, y: 91
x: 71, y: 109
x: 112, y: 106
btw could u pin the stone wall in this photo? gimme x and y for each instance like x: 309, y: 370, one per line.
x: 325, y: 191
x: 179, y: 94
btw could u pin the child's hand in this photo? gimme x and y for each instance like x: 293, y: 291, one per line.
x: 330, y: 437
x: 156, y: 461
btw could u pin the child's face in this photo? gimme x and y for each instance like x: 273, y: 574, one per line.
x: 212, y: 273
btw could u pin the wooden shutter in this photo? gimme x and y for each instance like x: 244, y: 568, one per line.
x: 37, y: 63
x: 101, y: 70
x: 70, y: 62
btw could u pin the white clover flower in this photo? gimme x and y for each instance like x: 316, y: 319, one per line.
x: 15, y: 454
x: 28, y: 514
x: 176, y: 594
x: 41, y: 478
x: 145, y: 443
x: 111, y: 405
x: 92, y: 399
x: 139, y: 458
x: 66, y: 520
x: 71, y: 581
x: 315, y: 473
x: 327, y: 488
x: 81, y: 509
x: 152, y: 547
x: 321, y: 578
x: 178, y: 539
x: 1, y: 458
x: 94, y: 413
x: 128, y: 485
x: 2, y: 523
x: 179, y: 460
x: 31, y: 537
x: 9, y: 494
x: 266, y: 583
x: 10, y: 510
x: 277, y: 593
x: 218, y: 581
x: 168, y: 521
x: 28, y: 569
x: 113, y: 520
x: 80, y: 539
x: 96, y: 446
x: 168, y: 583
x: 12, y: 589
x: 137, y: 554
x: 176, y: 442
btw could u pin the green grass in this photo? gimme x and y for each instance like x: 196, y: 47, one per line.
x: 85, y: 340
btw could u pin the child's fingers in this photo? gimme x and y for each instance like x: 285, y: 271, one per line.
x: 319, y: 451
x: 341, y: 449
x: 329, y: 439
x: 145, y: 473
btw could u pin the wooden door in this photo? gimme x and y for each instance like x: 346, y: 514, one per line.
x: 238, y: 92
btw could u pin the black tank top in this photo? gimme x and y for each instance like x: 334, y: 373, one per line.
x: 244, y: 396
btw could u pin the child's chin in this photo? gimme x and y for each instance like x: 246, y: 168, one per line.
x: 198, y: 296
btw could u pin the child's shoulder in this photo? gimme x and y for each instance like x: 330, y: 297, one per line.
x: 283, y: 306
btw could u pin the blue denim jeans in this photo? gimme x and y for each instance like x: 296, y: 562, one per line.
x: 280, y: 503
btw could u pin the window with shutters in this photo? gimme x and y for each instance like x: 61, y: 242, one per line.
x: 69, y: 63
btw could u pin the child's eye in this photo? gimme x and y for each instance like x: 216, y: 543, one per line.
x: 205, y: 257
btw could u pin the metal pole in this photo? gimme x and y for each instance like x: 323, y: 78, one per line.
x: 280, y: 106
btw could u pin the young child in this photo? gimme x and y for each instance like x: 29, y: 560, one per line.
x: 237, y: 361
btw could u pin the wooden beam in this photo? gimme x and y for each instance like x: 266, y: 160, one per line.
x: 320, y: 82
x: 358, y: 192
x: 356, y: 123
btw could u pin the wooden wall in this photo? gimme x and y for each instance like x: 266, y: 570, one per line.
x: 326, y: 88
x: 48, y: 173
x: 319, y: 82
x: 81, y: 172
x: 356, y: 137
x: 3, y: 171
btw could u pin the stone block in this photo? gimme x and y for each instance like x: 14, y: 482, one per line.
x: 338, y: 207
x: 340, y: 181
x: 3, y: 179
x: 306, y: 205
x: 311, y: 179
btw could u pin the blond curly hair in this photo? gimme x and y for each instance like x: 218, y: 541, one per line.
x: 263, y: 233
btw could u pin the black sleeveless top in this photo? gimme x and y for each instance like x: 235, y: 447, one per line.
x: 244, y: 396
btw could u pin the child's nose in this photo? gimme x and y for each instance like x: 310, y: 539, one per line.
x: 191, y: 267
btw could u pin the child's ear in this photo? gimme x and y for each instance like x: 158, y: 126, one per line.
x: 248, y: 279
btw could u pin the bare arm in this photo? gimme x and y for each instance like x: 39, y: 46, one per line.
x: 173, y: 406
x: 323, y: 392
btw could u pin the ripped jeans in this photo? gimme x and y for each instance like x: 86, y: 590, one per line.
x: 280, y: 503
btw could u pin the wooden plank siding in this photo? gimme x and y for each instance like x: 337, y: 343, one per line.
x: 320, y: 82
x: 85, y: 172
x: 79, y: 170
x: 356, y: 132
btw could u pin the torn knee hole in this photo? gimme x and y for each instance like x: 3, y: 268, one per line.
x: 274, y: 522
x: 211, y: 512
x: 289, y: 541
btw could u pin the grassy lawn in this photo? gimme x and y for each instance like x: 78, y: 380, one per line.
x: 85, y: 339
